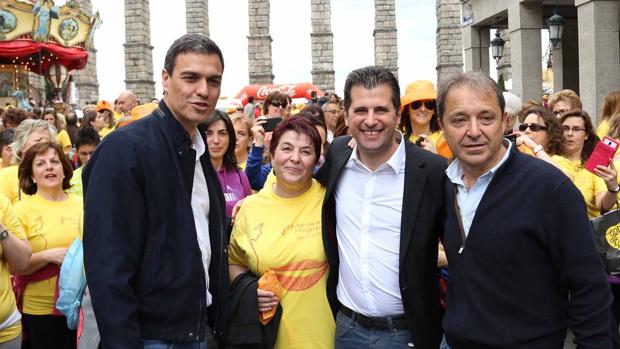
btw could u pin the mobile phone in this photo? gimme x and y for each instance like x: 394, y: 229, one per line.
x: 603, y: 152
x: 271, y: 124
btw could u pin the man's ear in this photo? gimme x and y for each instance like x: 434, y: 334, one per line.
x: 165, y: 77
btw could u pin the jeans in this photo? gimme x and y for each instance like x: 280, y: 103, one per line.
x: 352, y: 335
x: 155, y: 344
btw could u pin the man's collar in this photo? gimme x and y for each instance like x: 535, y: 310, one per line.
x: 455, y: 171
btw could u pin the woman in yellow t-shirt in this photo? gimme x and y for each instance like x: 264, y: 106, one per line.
x: 62, y: 136
x: 289, y: 245
x: 540, y: 134
x: 243, y: 133
x: 51, y: 219
x: 28, y: 133
x: 418, y: 119
x: 104, y: 122
x: 599, y: 190
x: 14, y: 253
x: 610, y: 116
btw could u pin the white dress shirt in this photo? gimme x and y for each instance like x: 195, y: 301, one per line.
x: 368, y: 215
x: 200, y: 209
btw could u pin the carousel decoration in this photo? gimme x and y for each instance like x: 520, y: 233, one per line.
x: 37, y: 36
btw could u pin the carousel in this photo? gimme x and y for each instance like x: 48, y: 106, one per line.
x: 39, y: 37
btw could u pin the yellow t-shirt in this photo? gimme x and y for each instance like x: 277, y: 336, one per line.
x: 291, y: 245
x: 587, y: 182
x: 9, y: 184
x: 270, y: 180
x: 47, y: 224
x: 7, y: 297
x: 602, y: 129
x: 76, y: 183
x: 242, y: 165
x: 105, y: 131
x: 63, y: 138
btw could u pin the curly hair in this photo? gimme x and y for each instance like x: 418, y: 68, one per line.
x: 555, y: 136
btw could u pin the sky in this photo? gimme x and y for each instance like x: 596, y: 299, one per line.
x: 352, y: 26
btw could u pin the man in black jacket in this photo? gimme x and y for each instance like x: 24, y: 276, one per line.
x: 154, y: 244
x: 381, y: 220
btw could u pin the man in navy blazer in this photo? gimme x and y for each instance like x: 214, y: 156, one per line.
x: 154, y: 239
x: 381, y: 221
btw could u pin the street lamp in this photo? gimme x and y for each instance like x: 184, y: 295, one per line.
x: 556, y: 26
x: 497, y: 47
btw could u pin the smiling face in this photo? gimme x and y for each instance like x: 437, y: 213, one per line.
x: 372, y: 121
x: 193, y: 89
x: 217, y: 139
x: 47, y: 170
x: 294, y: 159
x: 421, y: 116
x: 473, y: 127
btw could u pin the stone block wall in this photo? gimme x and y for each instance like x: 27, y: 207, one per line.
x: 138, y: 50
x: 449, y: 38
x: 322, y: 41
x: 386, y: 49
x: 260, y: 65
x: 197, y: 16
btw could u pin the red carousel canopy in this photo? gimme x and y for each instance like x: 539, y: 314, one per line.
x: 38, y: 56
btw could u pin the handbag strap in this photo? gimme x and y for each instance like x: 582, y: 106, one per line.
x: 457, y: 209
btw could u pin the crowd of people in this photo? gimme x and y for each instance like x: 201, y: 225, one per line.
x: 455, y: 217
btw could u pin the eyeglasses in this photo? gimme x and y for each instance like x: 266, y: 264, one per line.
x: 533, y: 127
x: 278, y: 104
x: 573, y: 129
x: 560, y: 112
x: 335, y: 111
x: 430, y: 105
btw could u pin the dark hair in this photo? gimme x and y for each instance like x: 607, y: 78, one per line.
x: 251, y: 99
x: 527, y: 105
x: 474, y: 80
x: 13, y: 117
x: 57, y: 124
x: 299, y: 125
x: 88, y: 118
x: 194, y: 43
x: 87, y: 136
x: 371, y: 77
x: 313, y: 109
x: 71, y: 118
x: 26, y: 183
x: 230, y: 160
x: 6, y: 137
x: 407, y: 128
x: 554, y: 128
x: 592, y: 138
x: 275, y: 96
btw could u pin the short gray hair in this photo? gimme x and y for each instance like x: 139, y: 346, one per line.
x: 24, y: 130
x: 324, y: 106
x: 513, y: 103
x: 472, y: 79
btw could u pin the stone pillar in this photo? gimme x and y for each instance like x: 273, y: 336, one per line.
x: 524, y: 23
x: 259, y: 43
x: 138, y: 50
x: 86, y: 79
x: 504, y: 67
x: 565, y: 59
x: 476, y: 42
x: 386, y: 48
x: 449, y: 38
x: 599, y: 52
x: 197, y: 16
x: 322, y: 45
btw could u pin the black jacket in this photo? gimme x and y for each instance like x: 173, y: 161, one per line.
x: 245, y: 330
x: 142, y: 259
x: 421, y: 224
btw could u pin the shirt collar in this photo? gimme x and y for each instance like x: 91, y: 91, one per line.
x: 455, y: 171
x: 395, y: 161
x: 198, y: 144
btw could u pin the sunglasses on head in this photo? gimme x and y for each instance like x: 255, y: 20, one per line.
x: 278, y: 104
x: 533, y: 127
x: 430, y: 105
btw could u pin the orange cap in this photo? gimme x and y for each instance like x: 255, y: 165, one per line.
x: 418, y: 90
x: 104, y: 105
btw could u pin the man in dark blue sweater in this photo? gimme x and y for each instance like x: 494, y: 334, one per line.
x: 523, y: 264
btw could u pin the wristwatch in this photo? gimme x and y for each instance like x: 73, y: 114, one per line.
x: 615, y: 191
x: 537, y: 149
x: 4, y: 234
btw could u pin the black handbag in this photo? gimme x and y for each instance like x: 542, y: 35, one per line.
x: 607, y: 235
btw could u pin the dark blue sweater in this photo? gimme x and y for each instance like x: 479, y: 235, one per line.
x: 530, y: 245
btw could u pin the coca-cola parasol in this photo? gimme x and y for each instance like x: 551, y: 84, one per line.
x: 260, y: 92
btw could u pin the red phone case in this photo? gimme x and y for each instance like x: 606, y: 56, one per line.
x: 603, y: 151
